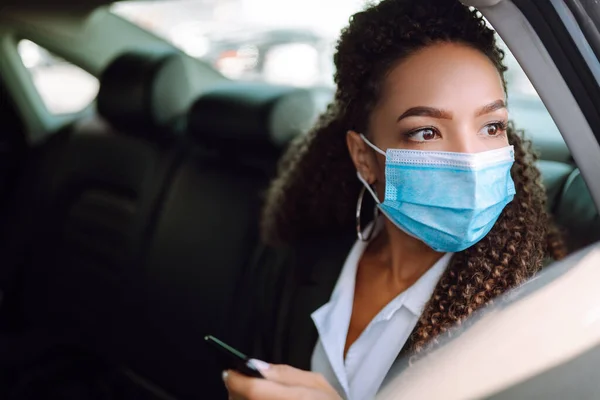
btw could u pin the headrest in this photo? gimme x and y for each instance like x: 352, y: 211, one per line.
x: 142, y: 93
x: 252, y: 117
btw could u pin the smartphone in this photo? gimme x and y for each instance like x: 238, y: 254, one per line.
x: 238, y: 360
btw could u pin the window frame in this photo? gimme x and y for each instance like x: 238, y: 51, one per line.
x: 564, y: 52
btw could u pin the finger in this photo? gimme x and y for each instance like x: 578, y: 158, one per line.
x: 248, y: 388
x: 291, y: 376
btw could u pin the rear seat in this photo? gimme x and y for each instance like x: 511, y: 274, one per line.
x: 576, y: 214
x: 126, y: 259
x: 554, y: 177
x: 207, y: 229
x: 93, y: 183
x: 570, y: 203
x: 13, y: 146
x: 84, y: 213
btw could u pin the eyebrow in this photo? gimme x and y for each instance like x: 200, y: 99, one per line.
x: 422, y: 111
x: 490, y: 108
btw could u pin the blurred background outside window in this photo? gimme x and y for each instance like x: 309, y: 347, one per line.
x: 276, y: 41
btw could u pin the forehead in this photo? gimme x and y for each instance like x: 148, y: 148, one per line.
x: 446, y: 75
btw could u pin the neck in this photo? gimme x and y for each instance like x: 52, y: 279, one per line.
x: 404, y: 258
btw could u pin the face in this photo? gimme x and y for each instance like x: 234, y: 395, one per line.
x: 445, y: 97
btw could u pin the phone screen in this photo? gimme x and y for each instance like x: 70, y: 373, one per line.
x: 233, y: 357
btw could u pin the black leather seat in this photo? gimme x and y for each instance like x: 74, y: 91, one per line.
x: 207, y: 229
x: 576, y: 213
x: 554, y: 177
x: 145, y: 94
x: 570, y: 203
x: 93, y: 182
x: 13, y: 146
x: 132, y: 251
x: 84, y: 214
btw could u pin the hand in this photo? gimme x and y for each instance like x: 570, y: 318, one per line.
x: 282, y: 383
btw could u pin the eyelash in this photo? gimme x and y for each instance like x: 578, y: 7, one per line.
x: 502, y: 126
x: 414, y: 132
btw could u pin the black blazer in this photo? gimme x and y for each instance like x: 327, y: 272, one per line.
x: 284, y: 286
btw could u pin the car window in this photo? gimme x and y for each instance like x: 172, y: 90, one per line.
x: 63, y: 87
x: 287, y: 42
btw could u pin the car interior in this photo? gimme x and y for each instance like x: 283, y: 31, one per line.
x: 126, y: 228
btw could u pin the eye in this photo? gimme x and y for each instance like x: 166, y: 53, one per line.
x: 423, y: 135
x: 494, y: 129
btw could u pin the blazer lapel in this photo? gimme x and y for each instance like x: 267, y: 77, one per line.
x: 316, y: 274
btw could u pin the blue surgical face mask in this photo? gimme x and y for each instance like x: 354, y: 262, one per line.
x: 448, y: 200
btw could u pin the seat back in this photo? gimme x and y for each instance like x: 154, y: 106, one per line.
x: 207, y: 229
x: 13, y: 146
x: 554, y: 177
x: 577, y: 214
x: 570, y: 203
x: 134, y: 251
x: 83, y: 214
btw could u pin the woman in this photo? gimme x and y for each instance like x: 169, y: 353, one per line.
x: 419, y: 123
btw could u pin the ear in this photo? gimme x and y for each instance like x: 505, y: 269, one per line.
x: 362, y: 156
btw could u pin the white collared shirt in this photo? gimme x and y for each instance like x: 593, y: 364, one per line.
x: 371, y: 356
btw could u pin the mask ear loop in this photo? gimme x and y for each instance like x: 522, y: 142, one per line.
x: 366, y: 186
x: 371, y: 145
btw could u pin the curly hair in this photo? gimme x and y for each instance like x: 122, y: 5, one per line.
x: 316, y: 188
